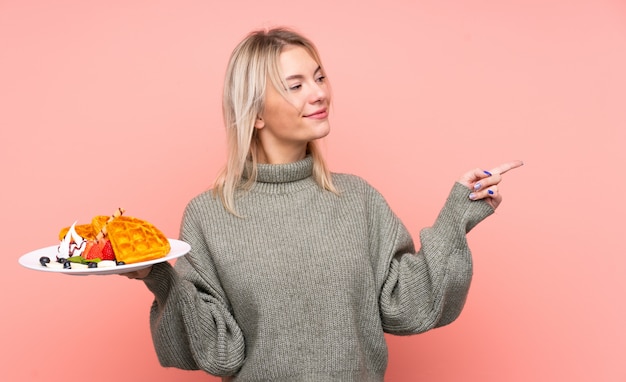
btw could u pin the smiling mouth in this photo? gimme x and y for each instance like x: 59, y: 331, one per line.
x: 318, y: 114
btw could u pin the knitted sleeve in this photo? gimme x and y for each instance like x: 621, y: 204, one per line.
x: 428, y: 288
x: 191, y: 321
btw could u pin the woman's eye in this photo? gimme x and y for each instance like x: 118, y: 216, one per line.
x: 295, y: 87
x: 321, y: 78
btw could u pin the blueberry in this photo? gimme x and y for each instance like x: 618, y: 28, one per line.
x: 92, y: 265
x: 120, y: 263
x: 67, y: 264
x: 43, y: 260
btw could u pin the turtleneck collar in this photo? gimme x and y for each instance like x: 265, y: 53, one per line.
x: 283, y: 178
x: 284, y: 173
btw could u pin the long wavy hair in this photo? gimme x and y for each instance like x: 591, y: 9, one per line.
x: 252, y: 63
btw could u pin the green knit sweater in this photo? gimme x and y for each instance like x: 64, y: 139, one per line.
x: 304, y: 285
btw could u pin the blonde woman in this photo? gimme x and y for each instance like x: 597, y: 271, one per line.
x: 295, y: 272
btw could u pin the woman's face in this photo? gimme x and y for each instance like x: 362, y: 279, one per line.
x: 286, y: 125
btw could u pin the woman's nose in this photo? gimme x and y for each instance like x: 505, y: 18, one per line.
x: 319, y: 92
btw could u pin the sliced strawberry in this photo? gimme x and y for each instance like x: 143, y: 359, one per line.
x: 92, y: 251
x: 107, y: 251
x: 88, y: 246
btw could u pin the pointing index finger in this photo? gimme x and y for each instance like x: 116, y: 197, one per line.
x: 507, y: 167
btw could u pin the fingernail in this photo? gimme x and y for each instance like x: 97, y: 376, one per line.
x: 477, y: 186
x: 472, y: 196
x: 490, y: 192
x: 487, y: 172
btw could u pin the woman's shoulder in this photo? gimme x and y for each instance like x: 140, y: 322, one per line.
x: 207, y: 199
x: 345, y: 182
x: 356, y: 187
x: 349, y: 180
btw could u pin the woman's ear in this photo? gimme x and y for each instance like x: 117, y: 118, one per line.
x: 259, y: 123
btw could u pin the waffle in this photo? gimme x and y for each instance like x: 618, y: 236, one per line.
x: 87, y: 231
x: 135, y: 240
x: 98, y: 223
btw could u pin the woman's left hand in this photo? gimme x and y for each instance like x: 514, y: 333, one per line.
x: 484, y: 184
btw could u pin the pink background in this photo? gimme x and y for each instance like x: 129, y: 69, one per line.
x: 117, y: 103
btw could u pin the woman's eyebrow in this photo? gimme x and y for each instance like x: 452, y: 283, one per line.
x: 300, y: 76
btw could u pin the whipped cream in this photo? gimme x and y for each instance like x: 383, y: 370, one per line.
x: 71, y: 245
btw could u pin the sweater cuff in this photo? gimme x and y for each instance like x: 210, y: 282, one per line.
x: 462, y: 212
x: 159, y: 280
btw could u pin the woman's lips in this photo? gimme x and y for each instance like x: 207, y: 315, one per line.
x: 320, y: 114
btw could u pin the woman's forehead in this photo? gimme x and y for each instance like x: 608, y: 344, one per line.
x: 297, y: 61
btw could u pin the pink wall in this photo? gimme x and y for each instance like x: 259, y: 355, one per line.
x: 116, y: 103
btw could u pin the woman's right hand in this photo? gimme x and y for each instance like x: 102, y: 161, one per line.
x: 140, y: 274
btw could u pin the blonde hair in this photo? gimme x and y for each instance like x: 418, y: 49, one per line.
x: 252, y: 63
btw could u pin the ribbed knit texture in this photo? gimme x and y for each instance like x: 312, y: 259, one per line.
x: 304, y: 285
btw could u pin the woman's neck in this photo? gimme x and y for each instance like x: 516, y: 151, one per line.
x: 280, y: 156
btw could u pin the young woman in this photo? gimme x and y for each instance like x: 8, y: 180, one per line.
x: 295, y: 272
